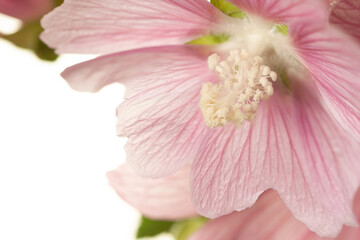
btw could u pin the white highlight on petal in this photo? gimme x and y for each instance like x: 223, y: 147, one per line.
x: 244, y: 83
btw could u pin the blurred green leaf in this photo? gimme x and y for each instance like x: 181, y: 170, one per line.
x: 228, y: 8
x: 150, y: 228
x: 28, y: 37
x: 58, y: 2
x: 182, y: 230
x: 209, y: 40
x: 283, y: 29
x: 44, y: 52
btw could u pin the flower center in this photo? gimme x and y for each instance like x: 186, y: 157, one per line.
x: 246, y: 77
x: 244, y: 82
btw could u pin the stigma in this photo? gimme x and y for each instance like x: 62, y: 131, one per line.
x: 244, y: 83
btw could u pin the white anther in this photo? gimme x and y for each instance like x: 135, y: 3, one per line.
x: 244, y: 83
x: 231, y: 58
x: 253, y: 71
x: 220, y: 70
x: 264, y: 82
x: 251, y: 82
x: 258, y: 60
x: 226, y: 66
x: 228, y: 83
x: 266, y: 71
x: 244, y: 53
x: 237, y: 60
x: 248, y: 92
x: 273, y: 76
x: 242, y: 98
x: 213, y: 61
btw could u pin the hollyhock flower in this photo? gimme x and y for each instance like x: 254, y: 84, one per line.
x: 25, y: 10
x: 270, y: 101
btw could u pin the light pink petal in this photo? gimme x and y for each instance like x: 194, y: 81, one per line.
x: 307, y: 14
x: 254, y: 223
x: 161, y: 115
x: 263, y: 221
x: 162, y: 198
x: 349, y: 233
x: 268, y: 219
x: 294, y: 147
x: 346, y: 14
x: 106, y: 26
x: 334, y: 61
x: 25, y: 9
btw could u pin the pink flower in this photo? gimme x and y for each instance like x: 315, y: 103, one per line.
x: 245, y: 130
x: 25, y: 10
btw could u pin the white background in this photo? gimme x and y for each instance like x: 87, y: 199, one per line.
x: 56, y: 146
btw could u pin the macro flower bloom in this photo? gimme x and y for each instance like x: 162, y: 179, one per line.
x: 25, y: 10
x: 265, y: 100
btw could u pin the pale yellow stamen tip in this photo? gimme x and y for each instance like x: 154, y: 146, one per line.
x: 213, y: 60
x: 244, y: 83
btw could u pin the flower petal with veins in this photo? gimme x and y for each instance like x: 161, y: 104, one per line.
x: 107, y: 26
x: 299, y: 13
x: 346, y: 15
x: 334, y: 60
x: 161, y: 114
x: 294, y: 147
x: 163, y: 198
x: 268, y: 219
